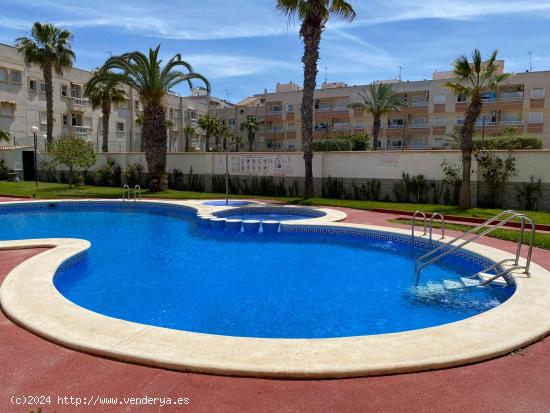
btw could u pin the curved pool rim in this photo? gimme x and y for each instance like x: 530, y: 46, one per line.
x: 29, y: 297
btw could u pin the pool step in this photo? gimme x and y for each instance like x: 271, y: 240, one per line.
x: 476, y: 281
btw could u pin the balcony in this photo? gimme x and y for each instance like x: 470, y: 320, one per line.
x: 394, y: 126
x: 419, y: 104
x: 419, y: 125
x: 323, y: 108
x: 79, y: 103
x: 487, y: 124
x: 275, y: 130
x: 275, y: 112
x: 82, y: 130
x: 511, y: 97
x: 340, y: 126
x: 488, y: 100
x: 341, y: 109
x: 511, y: 123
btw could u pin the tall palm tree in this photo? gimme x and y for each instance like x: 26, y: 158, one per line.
x: 144, y: 74
x: 188, y: 133
x: 251, y: 125
x: 471, y: 79
x: 50, y: 48
x: 104, y: 92
x: 313, y: 15
x: 379, y: 100
x: 210, y: 125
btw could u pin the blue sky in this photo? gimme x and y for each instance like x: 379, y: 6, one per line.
x: 244, y: 46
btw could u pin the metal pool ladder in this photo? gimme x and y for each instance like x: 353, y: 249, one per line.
x: 127, y: 193
x: 425, y: 221
x: 484, y: 276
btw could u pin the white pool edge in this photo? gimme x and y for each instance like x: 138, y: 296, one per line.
x: 29, y: 297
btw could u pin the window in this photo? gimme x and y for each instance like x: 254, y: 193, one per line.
x: 136, y: 105
x: 537, y: 93
x: 439, y: 121
x: 359, y: 124
x: 192, y: 114
x: 171, y: 113
x: 42, y: 87
x: 231, y: 121
x: 43, y: 118
x: 7, y: 110
x: 536, y: 117
x: 440, y: 99
x: 462, y: 98
x: 65, y: 120
x: 460, y: 120
x: 3, y: 75
x: 120, y: 127
x: 32, y: 85
x: 290, y: 108
x: 16, y: 77
x: 291, y: 127
x: 64, y: 90
x: 439, y: 142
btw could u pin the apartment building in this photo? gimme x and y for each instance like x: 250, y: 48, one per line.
x: 430, y: 114
x: 23, y: 104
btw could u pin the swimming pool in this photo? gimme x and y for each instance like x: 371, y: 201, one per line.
x: 151, y: 264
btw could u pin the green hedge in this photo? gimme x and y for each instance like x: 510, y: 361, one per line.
x: 508, y: 142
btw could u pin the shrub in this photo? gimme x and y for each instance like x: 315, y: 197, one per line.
x: 342, y: 143
x: 133, y: 174
x: 49, y: 167
x: 496, y: 173
x: 369, y: 191
x: 333, y: 188
x: 508, y: 143
x: 528, y: 193
x: 109, y: 175
x: 451, y: 182
x: 74, y: 153
x: 3, y: 171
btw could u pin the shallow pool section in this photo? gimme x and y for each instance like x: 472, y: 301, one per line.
x: 271, y: 213
x: 223, y: 202
x: 153, y: 265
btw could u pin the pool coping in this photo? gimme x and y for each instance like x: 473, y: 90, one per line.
x: 30, y: 299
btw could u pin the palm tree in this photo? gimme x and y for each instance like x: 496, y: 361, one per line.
x: 188, y: 133
x: 251, y: 125
x: 50, y: 48
x: 471, y: 79
x: 103, y: 92
x: 210, y: 125
x: 313, y: 15
x: 4, y: 136
x: 378, y: 101
x: 151, y: 81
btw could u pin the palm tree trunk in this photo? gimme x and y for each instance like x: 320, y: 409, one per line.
x: 49, y: 102
x: 154, y: 136
x: 310, y: 31
x: 187, y: 138
x: 250, y: 141
x: 375, y: 133
x: 467, y: 146
x: 106, y: 110
x: 207, y: 142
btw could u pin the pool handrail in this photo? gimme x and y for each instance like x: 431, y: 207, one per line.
x: 423, y: 215
x: 125, y: 193
x: 444, y: 249
x: 442, y: 219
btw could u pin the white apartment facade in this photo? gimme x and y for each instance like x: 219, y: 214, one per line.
x: 23, y: 105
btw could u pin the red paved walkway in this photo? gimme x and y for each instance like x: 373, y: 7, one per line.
x: 33, y: 366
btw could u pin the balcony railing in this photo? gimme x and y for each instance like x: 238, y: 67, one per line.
x: 82, y: 130
x: 274, y: 130
x: 511, y: 123
x: 395, y: 126
x: 419, y: 104
x: 340, y: 125
x: 512, y: 97
x: 323, y: 109
x: 488, y: 100
x: 419, y: 125
x: 82, y: 102
x: 275, y: 112
x: 341, y: 109
x: 488, y: 124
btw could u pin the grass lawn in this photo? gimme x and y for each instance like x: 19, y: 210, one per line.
x: 542, y: 240
x: 55, y: 190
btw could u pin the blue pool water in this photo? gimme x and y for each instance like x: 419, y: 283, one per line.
x: 153, y: 265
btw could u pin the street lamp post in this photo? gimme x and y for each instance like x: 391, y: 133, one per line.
x: 34, y: 130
